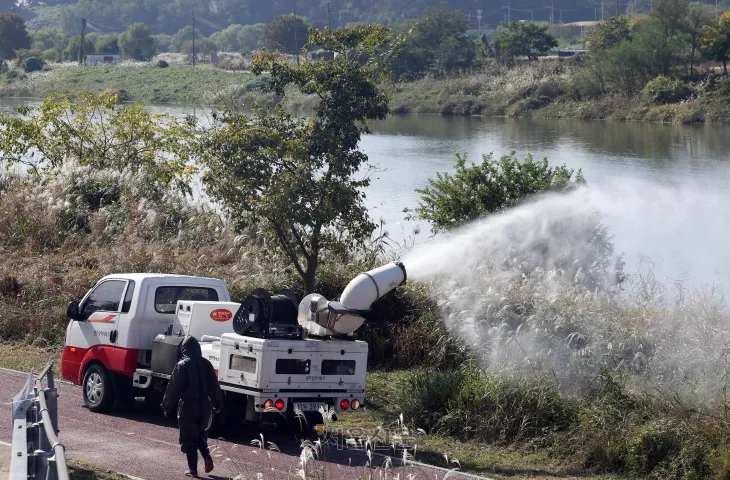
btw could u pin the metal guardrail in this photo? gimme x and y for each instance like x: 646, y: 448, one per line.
x: 36, y: 451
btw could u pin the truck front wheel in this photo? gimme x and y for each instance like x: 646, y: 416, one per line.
x: 98, y: 389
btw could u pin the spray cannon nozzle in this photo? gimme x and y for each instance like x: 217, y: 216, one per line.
x: 345, y: 316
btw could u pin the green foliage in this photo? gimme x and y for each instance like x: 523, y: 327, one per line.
x: 22, y: 55
x: 204, y: 47
x: 50, y: 38
x: 628, y: 65
x: 293, y: 177
x: 137, y: 42
x: 183, y: 35
x: 715, y: 41
x: 72, y: 51
x: 13, y: 35
x: 605, y: 35
x: 100, y: 134
x: 436, y: 41
x: 523, y: 39
x: 108, y: 44
x: 239, y: 38
x: 698, y: 17
x: 495, y: 408
x: 3, y: 66
x: 287, y: 34
x: 32, y: 64
x: 667, y: 90
x: 50, y: 55
x: 453, y: 199
x: 163, y: 42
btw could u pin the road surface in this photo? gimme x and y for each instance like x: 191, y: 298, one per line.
x: 142, y: 443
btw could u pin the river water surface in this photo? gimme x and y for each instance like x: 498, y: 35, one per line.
x: 407, y: 150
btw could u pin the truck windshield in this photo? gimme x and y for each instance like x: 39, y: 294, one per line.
x: 166, y: 298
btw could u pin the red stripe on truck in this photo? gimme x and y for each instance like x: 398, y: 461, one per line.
x: 115, y: 359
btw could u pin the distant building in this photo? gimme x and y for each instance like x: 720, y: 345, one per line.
x: 97, y: 59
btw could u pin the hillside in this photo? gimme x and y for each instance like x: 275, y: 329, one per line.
x: 168, y: 16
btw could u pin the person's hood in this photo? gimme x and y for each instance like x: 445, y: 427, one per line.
x: 191, y: 348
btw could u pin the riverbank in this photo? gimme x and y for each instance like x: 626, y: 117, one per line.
x: 145, y: 82
x: 545, y: 89
x: 554, y: 88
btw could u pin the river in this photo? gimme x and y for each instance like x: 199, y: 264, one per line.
x: 409, y: 149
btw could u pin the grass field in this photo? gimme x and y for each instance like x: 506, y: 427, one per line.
x: 178, y: 84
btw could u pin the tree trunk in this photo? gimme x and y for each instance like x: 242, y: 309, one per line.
x: 311, y: 273
x: 692, y: 59
x: 724, y: 65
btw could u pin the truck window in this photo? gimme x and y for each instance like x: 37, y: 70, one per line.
x: 338, y: 367
x: 128, y: 297
x: 106, y: 297
x: 166, y: 298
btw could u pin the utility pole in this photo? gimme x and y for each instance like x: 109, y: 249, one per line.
x: 82, y: 57
x: 296, y: 40
x: 617, y: 8
x: 601, y: 10
x: 193, y: 38
x: 329, y: 17
x: 552, y: 12
x: 479, y: 19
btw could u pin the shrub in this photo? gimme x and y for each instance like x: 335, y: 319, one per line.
x: 50, y: 55
x: 667, y: 90
x: 162, y: 64
x: 3, y: 66
x: 32, y: 64
x: 494, y: 408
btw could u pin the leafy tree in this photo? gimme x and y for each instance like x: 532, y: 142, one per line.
x: 715, y: 40
x: 50, y: 38
x: 285, y: 34
x: 183, y: 35
x: 137, y: 42
x: 524, y: 39
x: 474, y: 191
x: 163, y: 43
x: 294, y: 178
x: 671, y: 16
x: 108, y: 44
x: 13, y: 35
x: 204, y: 47
x: 95, y: 130
x: 423, y: 48
x: 73, y: 48
x: 698, y: 16
x: 455, y: 53
x: 607, y: 34
x: 249, y: 37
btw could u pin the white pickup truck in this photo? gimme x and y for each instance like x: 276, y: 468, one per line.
x: 274, y: 356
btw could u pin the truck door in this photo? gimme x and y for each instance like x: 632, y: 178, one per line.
x: 103, y: 309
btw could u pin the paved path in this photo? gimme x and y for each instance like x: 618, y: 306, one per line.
x: 143, y: 444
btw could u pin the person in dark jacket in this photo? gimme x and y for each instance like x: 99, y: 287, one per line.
x: 193, y: 391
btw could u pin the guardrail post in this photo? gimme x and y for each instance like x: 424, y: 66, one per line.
x: 36, y: 451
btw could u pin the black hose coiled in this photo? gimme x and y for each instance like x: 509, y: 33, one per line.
x: 261, y: 309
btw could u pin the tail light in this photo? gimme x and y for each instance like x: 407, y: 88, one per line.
x: 355, y: 404
x: 268, y: 404
x: 345, y: 404
x: 279, y: 404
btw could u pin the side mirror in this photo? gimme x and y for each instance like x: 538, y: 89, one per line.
x: 72, y: 311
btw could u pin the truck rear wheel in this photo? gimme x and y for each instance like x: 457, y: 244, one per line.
x: 98, y: 389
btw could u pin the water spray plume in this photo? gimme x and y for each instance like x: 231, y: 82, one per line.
x: 540, y: 287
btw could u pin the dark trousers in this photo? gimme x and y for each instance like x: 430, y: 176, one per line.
x: 191, y: 451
